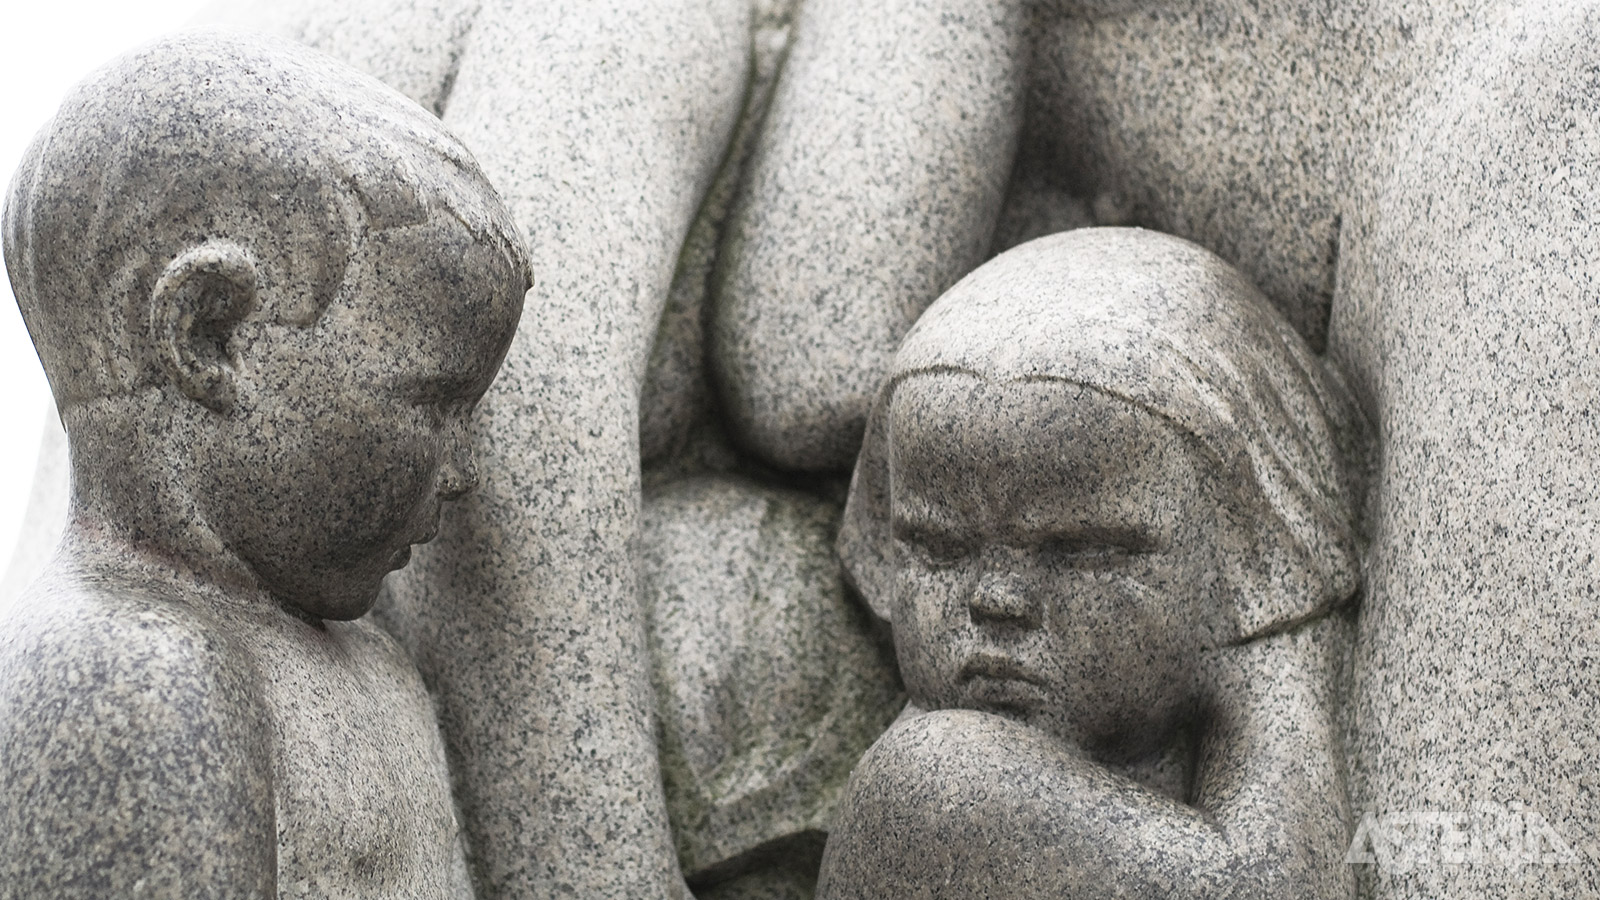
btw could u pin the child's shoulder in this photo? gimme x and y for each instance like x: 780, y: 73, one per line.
x: 139, y: 718
x: 77, y: 647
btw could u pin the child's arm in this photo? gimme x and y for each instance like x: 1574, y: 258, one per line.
x: 965, y: 804
x: 134, y: 761
x: 962, y: 804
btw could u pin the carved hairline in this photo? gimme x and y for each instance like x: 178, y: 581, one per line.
x: 349, y: 192
x: 866, y: 528
x: 894, y: 381
x: 1197, y: 440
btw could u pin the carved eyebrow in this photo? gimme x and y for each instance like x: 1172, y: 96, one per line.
x: 1133, y: 540
x: 920, y: 517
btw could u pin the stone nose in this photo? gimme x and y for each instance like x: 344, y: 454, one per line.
x: 1002, y: 596
x: 458, y: 473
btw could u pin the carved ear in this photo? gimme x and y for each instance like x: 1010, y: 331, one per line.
x: 197, y: 302
x: 864, y: 537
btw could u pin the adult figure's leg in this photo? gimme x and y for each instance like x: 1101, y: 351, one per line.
x: 875, y: 185
x: 1470, y: 313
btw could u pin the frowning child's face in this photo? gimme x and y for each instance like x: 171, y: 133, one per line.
x: 1057, y: 557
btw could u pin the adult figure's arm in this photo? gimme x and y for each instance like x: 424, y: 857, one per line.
x: 1470, y: 316
x: 875, y: 185
x: 602, y: 125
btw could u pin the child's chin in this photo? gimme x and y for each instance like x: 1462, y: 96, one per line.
x: 346, y: 595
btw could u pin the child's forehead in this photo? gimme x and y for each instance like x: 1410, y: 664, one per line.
x: 431, y: 291
x: 1069, y: 457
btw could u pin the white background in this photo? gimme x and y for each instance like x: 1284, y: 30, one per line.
x: 49, y: 46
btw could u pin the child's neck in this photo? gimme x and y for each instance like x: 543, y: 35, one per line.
x: 133, y: 521
x: 124, y: 560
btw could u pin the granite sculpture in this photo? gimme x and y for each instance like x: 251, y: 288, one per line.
x: 738, y: 579
x: 1407, y: 181
x: 709, y: 185
x: 547, y: 558
x: 1107, y: 494
x: 268, y: 291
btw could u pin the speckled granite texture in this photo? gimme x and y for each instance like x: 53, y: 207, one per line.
x: 268, y: 291
x: 810, y: 304
x: 1101, y: 482
x: 1470, y: 314
x: 1404, y: 180
x: 774, y: 679
x: 603, y: 125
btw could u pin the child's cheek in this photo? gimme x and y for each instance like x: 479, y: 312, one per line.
x: 1117, y: 639
x: 930, y: 634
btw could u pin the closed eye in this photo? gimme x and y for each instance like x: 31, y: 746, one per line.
x: 1096, y: 546
x: 931, y: 548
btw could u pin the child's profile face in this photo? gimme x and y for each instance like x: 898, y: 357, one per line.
x: 1056, y: 557
x: 350, y: 433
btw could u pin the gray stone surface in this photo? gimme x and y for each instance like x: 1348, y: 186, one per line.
x: 603, y: 126
x: 414, y: 46
x: 580, y: 810
x: 1224, y: 122
x: 677, y: 405
x: 1404, y: 180
x: 267, y: 291
x: 1470, y: 318
x: 773, y: 677
x: 811, y: 304
x: 1108, y: 493
x: 881, y: 176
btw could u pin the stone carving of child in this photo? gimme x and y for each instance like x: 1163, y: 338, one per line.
x: 1106, y: 502
x: 268, y: 292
